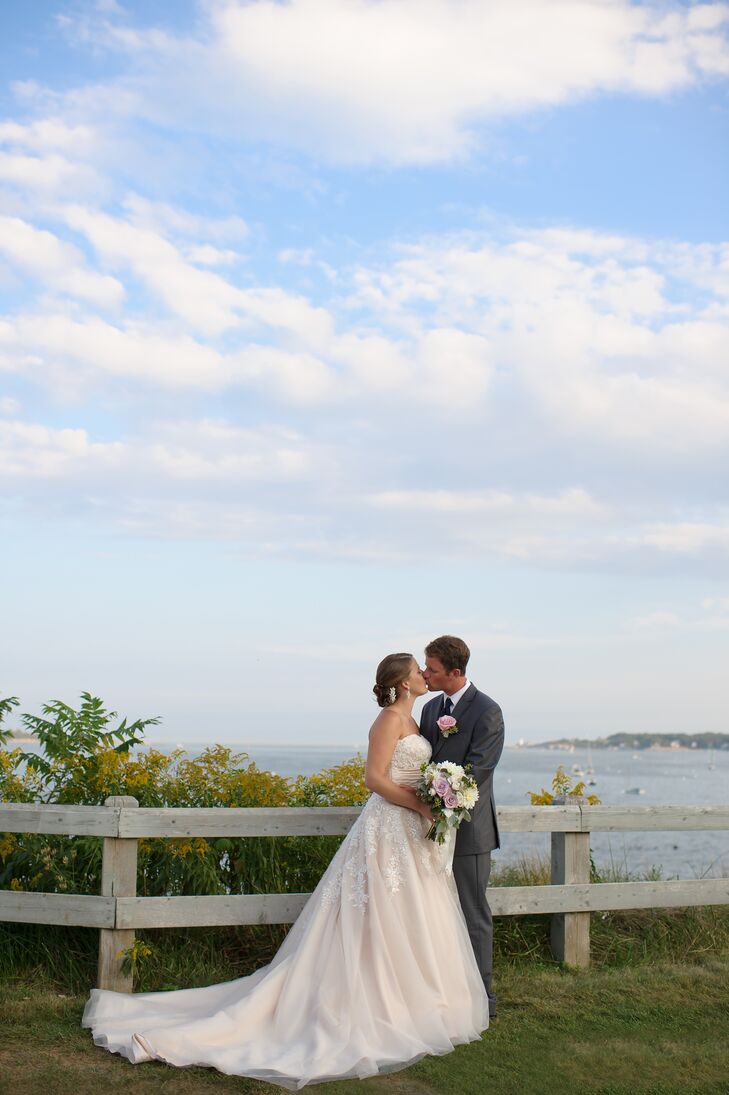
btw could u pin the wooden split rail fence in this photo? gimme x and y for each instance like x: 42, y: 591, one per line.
x: 118, y: 911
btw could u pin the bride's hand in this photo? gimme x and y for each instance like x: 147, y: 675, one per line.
x: 420, y: 807
x: 427, y: 813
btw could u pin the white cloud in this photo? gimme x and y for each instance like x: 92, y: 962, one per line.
x: 211, y: 450
x: 206, y: 301
x: 204, y: 452
x: 58, y: 264
x: 45, y: 134
x: 170, y: 219
x: 687, y: 537
x: 716, y: 604
x: 572, y: 502
x: 49, y: 175
x: 608, y: 339
x: 553, y: 528
x: 72, y: 353
x: 408, y: 81
x: 29, y: 450
x: 205, y: 254
x: 657, y: 621
x: 291, y: 376
x: 59, y: 344
x: 212, y: 478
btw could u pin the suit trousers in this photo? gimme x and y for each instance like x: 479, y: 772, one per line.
x: 471, y: 873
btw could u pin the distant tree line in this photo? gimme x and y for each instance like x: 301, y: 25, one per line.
x: 644, y: 741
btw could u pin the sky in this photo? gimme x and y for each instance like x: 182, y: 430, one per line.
x: 330, y: 326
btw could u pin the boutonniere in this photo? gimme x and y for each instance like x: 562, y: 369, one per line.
x: 447, y: 725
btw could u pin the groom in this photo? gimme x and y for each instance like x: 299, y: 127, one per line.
x: 477, y: 739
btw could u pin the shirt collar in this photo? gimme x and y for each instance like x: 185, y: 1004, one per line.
x: 459, y: 694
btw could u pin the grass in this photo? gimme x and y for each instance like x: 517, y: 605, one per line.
x: 655, y: 1029
x: 652, y: 1016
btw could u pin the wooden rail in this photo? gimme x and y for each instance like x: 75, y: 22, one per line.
x: 118, y: 912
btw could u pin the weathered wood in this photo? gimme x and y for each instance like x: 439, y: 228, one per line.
x: 20, y: 817
x: 118, y: 879
x: 77, y: 910
x: 174, y: 912
x: 539, y: 819
x: 608, y: 896
x: 570, y: 932
x: 654, y: 818
x: 25, y: 817
x: 181, y: 912
x: 309, y: 820
x: 239, y: 821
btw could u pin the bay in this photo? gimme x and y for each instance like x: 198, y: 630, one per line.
x: 669, y: 777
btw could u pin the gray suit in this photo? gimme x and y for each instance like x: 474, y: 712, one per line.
x: 478, y: 742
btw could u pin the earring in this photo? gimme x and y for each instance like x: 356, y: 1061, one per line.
x: 407, y: 689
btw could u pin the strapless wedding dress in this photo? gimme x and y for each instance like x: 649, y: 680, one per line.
x: 377, y: 971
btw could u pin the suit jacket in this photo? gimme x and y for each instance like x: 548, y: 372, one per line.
x: 479, y: 742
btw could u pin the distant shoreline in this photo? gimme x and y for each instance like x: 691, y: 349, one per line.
x: 657, y: 743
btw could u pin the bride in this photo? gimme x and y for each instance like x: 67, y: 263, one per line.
x: 377, y: 971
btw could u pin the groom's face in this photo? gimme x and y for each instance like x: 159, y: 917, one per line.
x: 439, y: 679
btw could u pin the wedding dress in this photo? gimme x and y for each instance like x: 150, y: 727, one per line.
x: 377, y: 971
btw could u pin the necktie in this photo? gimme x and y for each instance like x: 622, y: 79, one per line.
x: 447, y: 705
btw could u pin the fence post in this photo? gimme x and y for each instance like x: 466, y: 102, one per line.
x: 570, y: 932
x: 118, y: 879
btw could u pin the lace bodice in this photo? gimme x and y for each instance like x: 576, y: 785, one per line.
x: 388, y: 837
x: 410, y: 752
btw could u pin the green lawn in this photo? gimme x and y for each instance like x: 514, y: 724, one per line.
x: 655, y: 1028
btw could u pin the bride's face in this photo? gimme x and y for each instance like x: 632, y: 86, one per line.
x: 418, y: 687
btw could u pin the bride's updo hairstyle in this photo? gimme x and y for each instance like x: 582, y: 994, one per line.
x: 391, y: 671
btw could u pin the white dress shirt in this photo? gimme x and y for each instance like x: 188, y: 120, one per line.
x: 457, y: 695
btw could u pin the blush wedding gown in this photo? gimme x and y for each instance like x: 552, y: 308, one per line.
x: 377, y: 971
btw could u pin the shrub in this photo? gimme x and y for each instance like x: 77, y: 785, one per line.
x: 87, y: 756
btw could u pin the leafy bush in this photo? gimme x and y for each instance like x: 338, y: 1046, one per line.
x: 88, y: 755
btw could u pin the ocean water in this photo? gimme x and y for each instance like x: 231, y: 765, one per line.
x: 695, y: 777
x: 672, y: 777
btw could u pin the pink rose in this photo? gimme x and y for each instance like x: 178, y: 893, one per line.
x: 450, y: 800
x: 446, y: 725
x: 441, y: 785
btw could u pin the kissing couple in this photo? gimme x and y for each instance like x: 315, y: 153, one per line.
x: 390, y: 959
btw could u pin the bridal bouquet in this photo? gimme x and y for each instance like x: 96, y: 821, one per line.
x: 450, y: 792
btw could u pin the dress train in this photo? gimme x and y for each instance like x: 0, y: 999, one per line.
x: 377, y: 971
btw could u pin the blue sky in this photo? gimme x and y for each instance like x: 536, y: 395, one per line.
x: 328, y: 327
